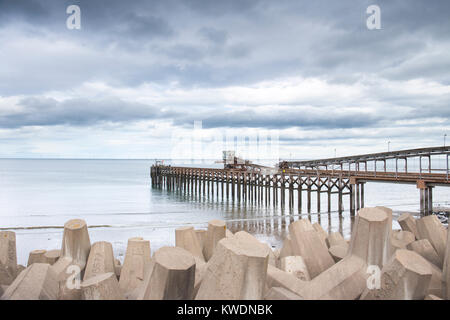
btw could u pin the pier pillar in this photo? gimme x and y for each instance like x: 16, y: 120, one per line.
x: 358, y: 199
x: 353, y: 195
x: 340, y: 206
x: 426, y: 198
x: 299, y: 195
x: 362, y: 195
x: 308, y: 191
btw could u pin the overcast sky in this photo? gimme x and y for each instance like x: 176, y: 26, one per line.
x: 139, y: 73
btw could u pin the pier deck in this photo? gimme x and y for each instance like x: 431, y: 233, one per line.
x: 288, y: 182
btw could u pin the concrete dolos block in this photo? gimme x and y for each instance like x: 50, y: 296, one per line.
x: 187, y: 238
x: 345, y: 280
x: 37, y: 282
x: 68, y: 275
x: 286, y: 249
x: 8, y: 257
x: 296, y: 266
x: 431, y: 228
x: 135, y: 265
x: 172, y: 276
x: 406, y: 276
x: 201, y: 236
x: 216, y: 232
x: 408, y: 223
x: 370, y: 236
x: 236, y: 271
x: 338, y: 252
x: 446, y: 270
x: 400, y: 240
x: 52, y: 256
x: 306, y: 243
x: 320, y: 232
x: 336, y: 239
x: 76, y: 243
x: 37, y: 256
x: 102, y: 287
x: 101, y: 260
x: 426, y: 250
x: 280, y: 293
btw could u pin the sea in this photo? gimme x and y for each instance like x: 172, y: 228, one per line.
x: 116, y: 199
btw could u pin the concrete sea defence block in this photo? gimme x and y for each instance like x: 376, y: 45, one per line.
x: 437, y: 283
x: 200, y: 269
x: 286, y: 249
x: 280, y: 293
x: 135, y: 265
x: 51, y: 256
x: 279, y: 278
x: 3, y: 289
x: 76, y: 243
x: 431, y: 228
x: 408, y: 223
x: 237, y: 270
x: 323, y: 235
x: 20, y: 268
x: 117, y: 268
x: 306, y: 243
x: 336, y: 239
x: 296, y: 266
x: 426, y: 250
x: 36, y: 256
x: 345, y: 280
x: 8, y: 257
x: 173, y: 275
x: 102, y: 286
x: 216, y: 232
x: 446, y: 270
x: 400, y: 240
x: 201, y: 236
x: 187, y: 238
x: 338, y: 252
x: 101, y: 260
x: 406, y: 276
x: 68, y: 276
x: 370, y: 236
x: 37, y: 282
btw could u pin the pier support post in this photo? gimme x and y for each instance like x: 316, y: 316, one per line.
x: 362, y: 195
x: 426, y: 198
x: 309, y: 195
x: 353, y: 195
x: 299, y: 194
x: 358, y: 199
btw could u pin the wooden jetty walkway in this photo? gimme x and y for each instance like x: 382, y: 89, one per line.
x: 291, y: 180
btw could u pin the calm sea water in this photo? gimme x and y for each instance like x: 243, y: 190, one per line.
x: 116, y: 199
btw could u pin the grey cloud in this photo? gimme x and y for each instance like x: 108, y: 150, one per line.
x: 209, y: 44
x: 75, y: 112
x: 238, y: 42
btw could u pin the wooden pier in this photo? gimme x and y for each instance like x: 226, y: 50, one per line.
x: 294, y: 182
